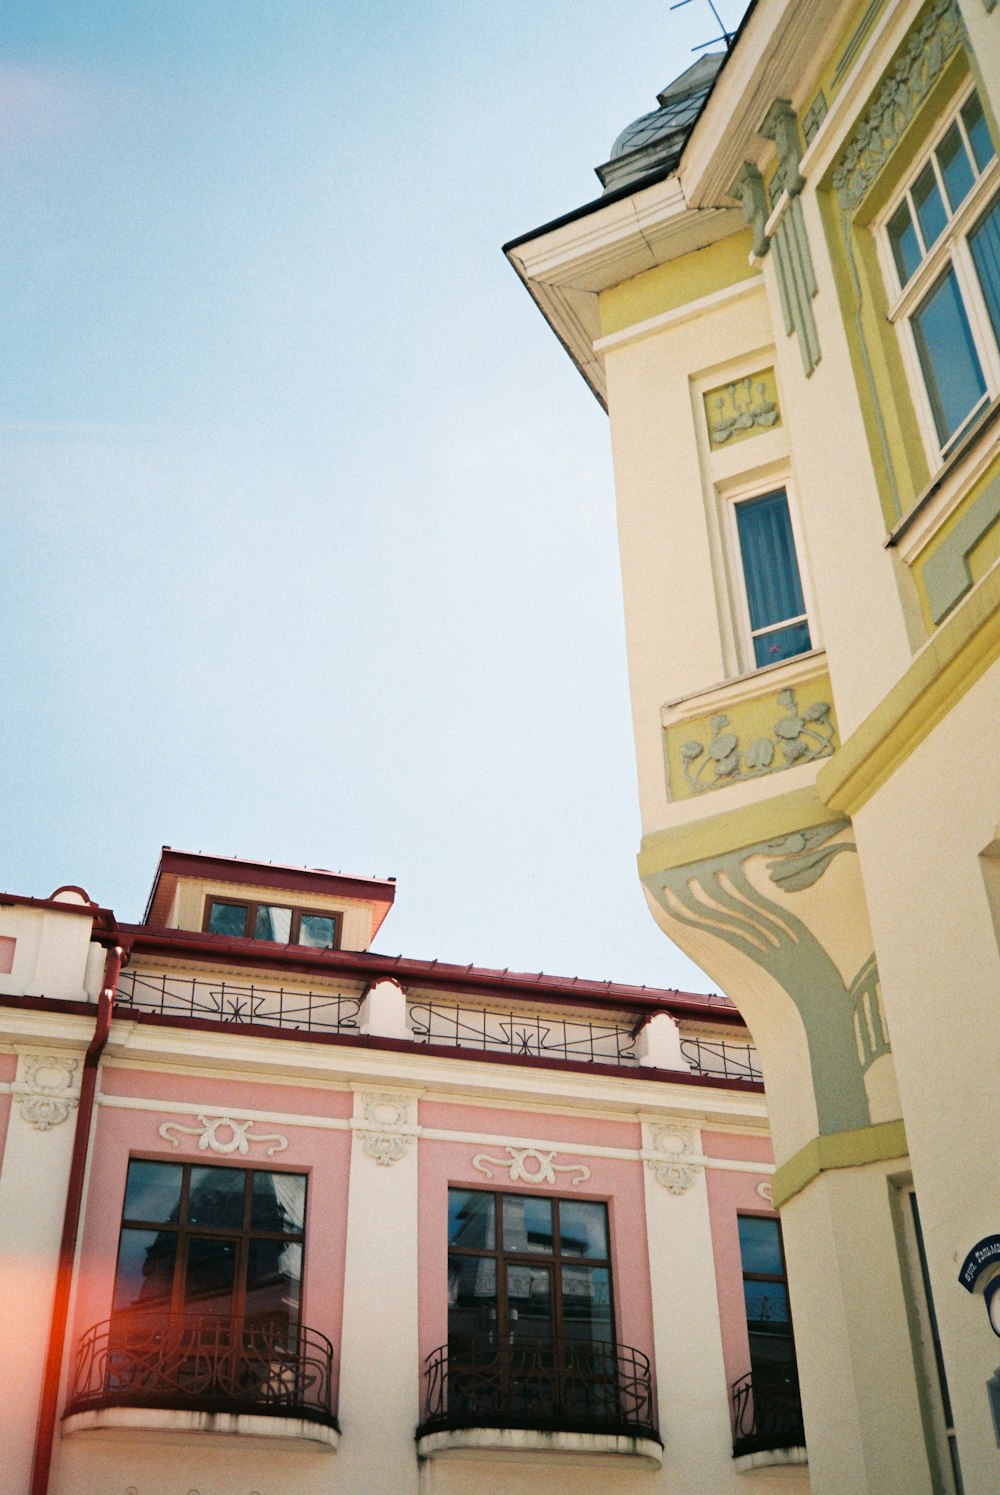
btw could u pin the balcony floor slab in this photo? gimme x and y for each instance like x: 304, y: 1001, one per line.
x: 150, y: 1424
x: 595, y: 1449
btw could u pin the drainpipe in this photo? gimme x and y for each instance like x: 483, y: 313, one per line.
x: 45, y: 1434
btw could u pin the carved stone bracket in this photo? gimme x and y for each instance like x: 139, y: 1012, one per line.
x: 222, y: 1135
x: 751, y: 194
x: 673, y: 1162
x: 45, y: 1092
x: 781, y: 126
x: 530, y: 1165
x: 881, y: 127
x: 385, y: 1132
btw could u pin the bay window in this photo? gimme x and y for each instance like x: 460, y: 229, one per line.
x: 941, y: 242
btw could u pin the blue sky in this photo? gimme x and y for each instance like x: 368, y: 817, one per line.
x: 309, y: 546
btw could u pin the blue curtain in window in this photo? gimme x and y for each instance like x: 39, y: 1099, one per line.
x: 774, y: 591
x: 984, y: 242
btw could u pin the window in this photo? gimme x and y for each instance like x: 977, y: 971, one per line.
x: 775, y: 605
x: 767, y: 1412
x: 942, y: 238
x: 224, y: 1243
x: 531, y: 1324
x: 765, y: 1295
x: 268, y: 921
x: 527, y: 1269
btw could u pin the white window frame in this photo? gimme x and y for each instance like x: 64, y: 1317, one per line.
x: 730, y: 498
x: 950, y: 250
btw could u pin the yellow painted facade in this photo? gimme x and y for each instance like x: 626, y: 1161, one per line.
x: 846, y: 895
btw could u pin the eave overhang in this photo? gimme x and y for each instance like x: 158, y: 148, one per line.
x: 565, y: 265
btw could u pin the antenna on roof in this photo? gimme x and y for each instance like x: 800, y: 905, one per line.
x: 726, y: 37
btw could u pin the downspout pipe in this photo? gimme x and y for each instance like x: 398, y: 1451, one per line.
x: 49, y: 1405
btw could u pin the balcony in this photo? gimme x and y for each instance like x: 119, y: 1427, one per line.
x: 568, y: 1397
x: 767, y: 1425
x: 202, y: 1374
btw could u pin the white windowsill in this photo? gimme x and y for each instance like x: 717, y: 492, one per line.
x: 596, y: 1449
x: 149, y: 1424
x: 726, y: 694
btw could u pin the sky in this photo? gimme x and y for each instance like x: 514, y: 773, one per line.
x: 308, y: 547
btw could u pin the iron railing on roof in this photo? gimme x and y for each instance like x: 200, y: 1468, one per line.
x: 722, y: 1058
x: 570, y: 1385
x: 238, y: 1002
x: 531, y: 1034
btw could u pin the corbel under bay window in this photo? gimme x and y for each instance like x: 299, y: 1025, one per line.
x: 771, y: 601
x: 940, y: 246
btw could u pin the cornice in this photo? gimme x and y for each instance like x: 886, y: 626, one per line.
x: 779, y: 55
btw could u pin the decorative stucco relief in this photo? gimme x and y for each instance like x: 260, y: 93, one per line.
x: 766, y: 1192
x: 674, y: 1164
x: 796, y: 737
x: 44, y: 1093
x: 722, y: 900
x: 880, y: 128
x: 530, y: 1165
x: 222, y: 1135
x: 385, y: 1132
x: 742, y: 408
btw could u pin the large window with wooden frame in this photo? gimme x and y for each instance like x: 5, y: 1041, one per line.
x: 203, y: 1239
x: 207, y: 1298
x: 531, y: 1322
x: 277, y: 923
x: 527, y: 1269
x: 767, y: 1412
x: 940, y: 241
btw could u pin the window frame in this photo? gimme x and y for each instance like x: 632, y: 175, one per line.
x: 949, y: 253
x: 554, y: 1260
x: 184, y: 1232
x: 745, y: 1277
x: 731, y: 497
x: 251, y: 905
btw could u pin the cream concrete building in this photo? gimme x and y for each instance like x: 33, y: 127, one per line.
x: 788, y: 299
x: 279, y: 1214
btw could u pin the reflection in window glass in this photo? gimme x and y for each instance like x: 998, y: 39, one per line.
x: 216, y: 1196
x: 587, y: 1303
x: 583, y: 1229
x: 906, y: 249
x: 228, y: 918
x: 527, y: 1223
x: 273, y: 924
x: 948, y: 357
x: 978, y: 131
x: 316, y: 931
x: 153, y: 1191
x: 955, y: 167
x: 472, y: 1299
x: 931, y: 212
x: 145, y: 1273
x: 529, y: 1302
x: 471, y: 1221
x: 279, y: 1202
x: 984, y: 241
x: 765, y: 1295
x: 771, y: 573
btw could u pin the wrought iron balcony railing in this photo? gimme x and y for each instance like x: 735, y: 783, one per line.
x: 203, y: 1364
x: 765, y: 1417
x: 570, y: 1386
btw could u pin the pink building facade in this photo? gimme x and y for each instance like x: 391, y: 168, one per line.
x: 279, y: 1213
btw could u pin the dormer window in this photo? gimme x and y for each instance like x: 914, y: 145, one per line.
x: 275, y: 923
